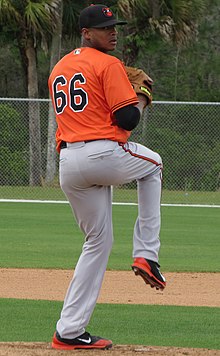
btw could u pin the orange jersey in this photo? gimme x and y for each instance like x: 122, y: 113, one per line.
x: 87, y: 86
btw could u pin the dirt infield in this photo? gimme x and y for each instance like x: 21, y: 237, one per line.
x: 186, y: 289
x: 189, y: 289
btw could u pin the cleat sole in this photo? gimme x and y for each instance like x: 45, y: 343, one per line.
x: 79, y: 347
x: 147, y: 278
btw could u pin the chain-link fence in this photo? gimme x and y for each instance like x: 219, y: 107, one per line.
x: 185, y: 134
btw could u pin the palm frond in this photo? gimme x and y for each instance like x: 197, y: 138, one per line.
x: 185, y: 10
x: 41, y: 16
x: 164, y: 26
x: 71, y: 10
x: 8, y: 12
x: 130, y: 9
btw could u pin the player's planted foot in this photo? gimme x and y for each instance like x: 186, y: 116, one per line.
x: 150, y: 272
x: 84, y: 341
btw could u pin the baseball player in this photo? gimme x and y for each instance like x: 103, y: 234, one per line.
x: 96, y: 109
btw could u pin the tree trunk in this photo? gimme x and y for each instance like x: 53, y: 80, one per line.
x: 155, y: 6
x: 24, y: 61
x: 51, y: 143
x: 34, y: 116
x: 176, y: 72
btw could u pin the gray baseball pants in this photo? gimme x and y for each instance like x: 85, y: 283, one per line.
x: 87, y: 172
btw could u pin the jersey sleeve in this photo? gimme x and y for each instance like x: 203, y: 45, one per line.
x: 117, y: 88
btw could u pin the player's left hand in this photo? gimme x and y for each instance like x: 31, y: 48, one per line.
x: 141, y: 82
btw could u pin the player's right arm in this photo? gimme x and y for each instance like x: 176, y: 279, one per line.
x: 126, y: 106
x: 129, y: 116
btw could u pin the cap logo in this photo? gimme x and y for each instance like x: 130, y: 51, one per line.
x: 107, y: 12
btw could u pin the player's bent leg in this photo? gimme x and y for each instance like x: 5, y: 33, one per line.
x: 146, y: 242
x: 146, y: 167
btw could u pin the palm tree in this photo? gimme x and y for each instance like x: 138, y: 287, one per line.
x: 54, y: 58
x: 175, y: 21
x: 30, y: 21
x: 67, y: 26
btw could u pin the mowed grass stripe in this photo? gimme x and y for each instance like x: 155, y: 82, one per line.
x: 124, y: 324
x: 46, y: 236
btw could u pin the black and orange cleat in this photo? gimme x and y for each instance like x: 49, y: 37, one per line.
x: 84, y: 341
x: 149, y: 271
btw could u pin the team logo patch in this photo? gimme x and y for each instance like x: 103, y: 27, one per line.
x: 77, y: 51
x: 107, y: 12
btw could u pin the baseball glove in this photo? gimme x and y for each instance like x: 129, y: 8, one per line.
x: 141, y: 82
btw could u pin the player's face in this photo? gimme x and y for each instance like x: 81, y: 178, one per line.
x: 103, y: 39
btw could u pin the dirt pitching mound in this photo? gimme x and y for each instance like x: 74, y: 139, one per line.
x: 44, y: 349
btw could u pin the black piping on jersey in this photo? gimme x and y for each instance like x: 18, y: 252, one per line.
x: 127, y: 117
x: 139, y: 156
x: 132, y: 101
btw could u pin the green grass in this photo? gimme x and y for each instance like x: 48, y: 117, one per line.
x: 190, y: 239
x: 34, y: 193
x: 46, y: 236
x: 124, y: 324
x: 121, y: 194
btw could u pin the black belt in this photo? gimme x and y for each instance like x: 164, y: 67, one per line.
x: 64, y: 144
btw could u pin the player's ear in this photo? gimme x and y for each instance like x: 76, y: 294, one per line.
x: 86, y: 33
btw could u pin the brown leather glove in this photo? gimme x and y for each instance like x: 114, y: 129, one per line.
x: 141, y: 82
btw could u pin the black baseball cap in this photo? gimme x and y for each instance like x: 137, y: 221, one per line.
x: 98, y: 16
